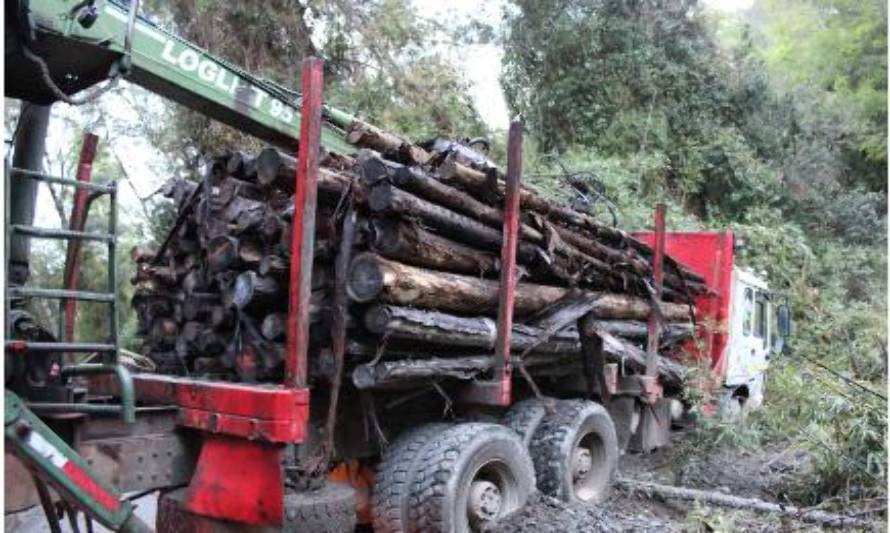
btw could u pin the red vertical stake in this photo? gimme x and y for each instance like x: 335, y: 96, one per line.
x: 658, y: 275
x: 303, y: 231
x: 507, y: 288
x: 77, y: 223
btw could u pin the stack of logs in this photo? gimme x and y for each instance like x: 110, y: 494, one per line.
x: 420, y: 270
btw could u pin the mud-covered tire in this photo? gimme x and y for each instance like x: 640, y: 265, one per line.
x: 524, y: 418
x: 452, y: 464
x: 330, y: 509
x: 576, y: 425
x: 395, y: 473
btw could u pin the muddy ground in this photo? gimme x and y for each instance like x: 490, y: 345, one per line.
x: 760, y: 474
x: 763, y: 474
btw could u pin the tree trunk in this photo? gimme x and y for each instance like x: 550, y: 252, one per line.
x: 368, y: 136
x: 373, y: 277
x: 385, y: 198
x: 255, y: 291
x: 411, y: 372
x: 812, y: 516
x: 410, y: 243
x: 273, y: 326
x: 278, y: 170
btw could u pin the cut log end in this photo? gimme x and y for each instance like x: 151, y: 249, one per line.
x: 366, y: 278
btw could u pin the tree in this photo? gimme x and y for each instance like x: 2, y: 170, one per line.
x: 383, y: 62
x: 832, y: 55
x: 647, y: 77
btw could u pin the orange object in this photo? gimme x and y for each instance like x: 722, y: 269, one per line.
x: 360, y: 477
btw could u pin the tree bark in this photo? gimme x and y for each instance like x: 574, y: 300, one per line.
x: 811, y: 516
x: 278, y: 170
x: 367, y: 136
x: 385, y: 198
x: 409, y: 372
x: 273, y: 326
x: 372, y: 277
x: 408, y: 242
x: 255, y: 291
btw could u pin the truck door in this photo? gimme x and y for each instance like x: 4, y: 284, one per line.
x: 749, y: 344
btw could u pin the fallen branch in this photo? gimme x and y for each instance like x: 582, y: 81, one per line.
x: 822, y: 518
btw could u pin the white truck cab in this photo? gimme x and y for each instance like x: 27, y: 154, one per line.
x: 751, y: 333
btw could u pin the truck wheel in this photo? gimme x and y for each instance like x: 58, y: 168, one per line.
x: 395, y: 473
x: 330, y: 509
x: 575, y: 452
x: 471, y: 475
x: 524, y: 417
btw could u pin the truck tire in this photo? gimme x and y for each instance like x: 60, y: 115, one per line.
x: 524, y: 418
x: 472, y: 474
x: 575, y: 452
x: 395, y: 473
x: 330, y: 509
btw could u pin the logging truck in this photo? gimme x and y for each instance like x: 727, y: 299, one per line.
x: 347, y: 328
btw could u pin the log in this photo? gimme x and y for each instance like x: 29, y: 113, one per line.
x: 221, y: 318
x: 451, y: 171
x: 372, y: 276
x: 197, y: 306
x: 254, y: 291
x: 274, y: 266
x: 410, y: 371
x: 619, y: 350
x: 448, y: 330
x: 385, y: 198
x: 241, y: 165
x: 365, y: 135
x: 273, y: 326
x: 417, y: 372
x: 374, y: 170
x: 409, y: 243
x: 231, y: 188
x: 811, y: 516
x: 279, y: 170
x: 163, y: 333
x: 222, y: 251
x: 250, y: 252
x: 194, y: 282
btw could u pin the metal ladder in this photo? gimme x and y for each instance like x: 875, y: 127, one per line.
x: 109, y: 350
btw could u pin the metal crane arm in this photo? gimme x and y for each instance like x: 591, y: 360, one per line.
x: 83, y: 43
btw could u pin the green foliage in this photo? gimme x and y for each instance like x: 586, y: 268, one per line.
x: 837, y: 51
x: 647, y: 77
x: 778, y: 132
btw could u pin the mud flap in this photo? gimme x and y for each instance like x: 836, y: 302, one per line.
x: 625, y: 414
x: 654, y: 430
x: 172, y: 517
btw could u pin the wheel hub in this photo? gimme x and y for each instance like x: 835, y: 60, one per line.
x: 582, y: 462
x: 484, y: 503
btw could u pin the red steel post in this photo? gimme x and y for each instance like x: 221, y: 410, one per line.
x: 658, y: 275
x: 77, y: 223
x: 303, y: 234
x: 507, y: 289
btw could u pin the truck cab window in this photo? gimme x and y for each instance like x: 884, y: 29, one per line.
x: 760, y: 316
x: 748, y: 311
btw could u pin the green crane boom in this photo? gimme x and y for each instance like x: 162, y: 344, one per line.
x: 81, y: 43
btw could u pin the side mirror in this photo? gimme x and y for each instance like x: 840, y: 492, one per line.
x: 783, y: 320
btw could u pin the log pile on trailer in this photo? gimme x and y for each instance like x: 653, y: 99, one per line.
x: 413, y: 296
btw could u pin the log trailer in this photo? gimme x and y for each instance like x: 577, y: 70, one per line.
x: 229, y: 456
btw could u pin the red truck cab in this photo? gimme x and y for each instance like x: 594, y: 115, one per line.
x: 734, y: 329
